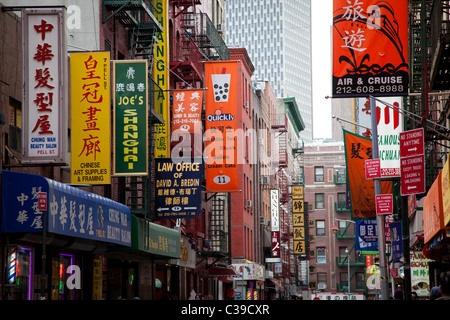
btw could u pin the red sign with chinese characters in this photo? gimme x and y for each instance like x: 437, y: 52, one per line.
x: 384, y: 203
x: 187, y: 110
x: 43, y: 59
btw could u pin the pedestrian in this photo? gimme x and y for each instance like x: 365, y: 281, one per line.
x: 435, y: 293
x: 398, y: 294
x: 413, y: 295
x: 444, y: 286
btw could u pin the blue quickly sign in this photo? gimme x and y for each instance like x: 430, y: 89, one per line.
x: 366, y: 236
x: 178, y: 188
x: 70, y: 211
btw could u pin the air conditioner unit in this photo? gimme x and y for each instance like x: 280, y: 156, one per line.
x: 263, y: 221
x: 249, y: 203
x: 322, y: 286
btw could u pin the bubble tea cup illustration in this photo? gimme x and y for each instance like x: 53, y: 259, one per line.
x: 221, y: 86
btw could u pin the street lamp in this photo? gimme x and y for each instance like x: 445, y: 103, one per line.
x: 348, y: 269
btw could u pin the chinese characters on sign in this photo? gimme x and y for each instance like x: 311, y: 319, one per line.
x: 221, y: 132
x: 187, y: 110
x: 161, y: 79
x: 370, y: 48
x: 178, y: 188
x: 275, y: 222
x: 91, y: 138
x: 71, y: 211
x: 43, y: 59
x: 130, y: 118
x: 358, y: 149
x: 300, y: 222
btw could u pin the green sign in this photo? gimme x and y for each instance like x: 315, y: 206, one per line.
x: 130, y: 118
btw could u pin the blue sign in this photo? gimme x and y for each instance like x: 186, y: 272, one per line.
x: 396, y: 240
x: 71, y: 211
x: 178, y: 188
x: 366, y: 235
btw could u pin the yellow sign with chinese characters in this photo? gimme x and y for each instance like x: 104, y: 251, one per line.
x: 91, y: 118
x: 161, y: 79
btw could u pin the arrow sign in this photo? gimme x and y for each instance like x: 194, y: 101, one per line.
x: 411, y: 143
x: 412, y: 177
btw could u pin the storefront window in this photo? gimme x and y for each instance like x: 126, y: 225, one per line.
x: 61, y: 276
x: 19, y: 273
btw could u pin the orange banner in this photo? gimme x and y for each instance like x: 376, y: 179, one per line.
x: 187, y: 109
x: 220, y: 126
x: 433, y: 218
x: 370, y: 48
x: 358, y: 149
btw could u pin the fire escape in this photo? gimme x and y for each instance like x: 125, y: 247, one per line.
x: 430, y: 66
x: 282, y: 183
x: 196, y: 39
x: 137, y: 17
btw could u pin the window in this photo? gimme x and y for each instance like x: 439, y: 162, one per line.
x: 342, y: 200
x: 15, y: 124
x: 320, y: 202
x: 321, y: 255
x: 318, y: 174
x: 320, y: 228
x: 321, y: 281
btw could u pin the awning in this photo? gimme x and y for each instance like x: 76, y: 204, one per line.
x: 154, y: 239
x: 70, y: 211
x: 216, y: 271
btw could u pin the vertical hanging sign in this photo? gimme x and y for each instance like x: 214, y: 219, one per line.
x: 130, y: 118
x: 220, y: 126
x: 161, y: 79
x: 91, y: 118
x: 275, y: 222
x: 370, y: 48
x: 187, y: 109
x: 44, y: 53
x: 300, y: 223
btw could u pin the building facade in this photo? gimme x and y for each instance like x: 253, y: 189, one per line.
x: 277, y: 35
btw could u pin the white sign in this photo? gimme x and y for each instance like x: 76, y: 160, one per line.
x: 389, y: 126
x: 275, y: 209
x: 44, y: 54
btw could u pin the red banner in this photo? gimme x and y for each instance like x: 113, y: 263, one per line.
x: 370, y: 48
x: 220, y: 126
x: 187, y: 109
x: 433, y: 217
x: 358, y: 149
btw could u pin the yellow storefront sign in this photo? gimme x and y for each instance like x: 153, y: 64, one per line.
x: 161, y: 79
x: 91, y: 118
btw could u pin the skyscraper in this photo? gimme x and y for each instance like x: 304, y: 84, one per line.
x: 277, y: 36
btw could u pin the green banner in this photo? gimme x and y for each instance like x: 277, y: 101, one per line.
x: 130, y: 118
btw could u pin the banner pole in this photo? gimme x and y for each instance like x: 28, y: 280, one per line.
x: 380, y: 218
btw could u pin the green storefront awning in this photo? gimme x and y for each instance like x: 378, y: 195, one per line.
x: 154, y: 239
